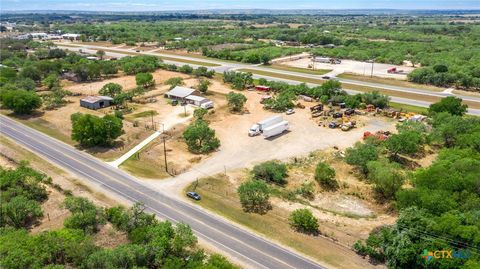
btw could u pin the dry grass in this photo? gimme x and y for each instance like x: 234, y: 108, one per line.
x: 390, y: 81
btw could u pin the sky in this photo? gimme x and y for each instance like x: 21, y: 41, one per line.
x: 159, y: 5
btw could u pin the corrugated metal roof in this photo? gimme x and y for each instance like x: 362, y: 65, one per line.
x: 94, y: 99
x: 195, y: 98
x: 181, y: 92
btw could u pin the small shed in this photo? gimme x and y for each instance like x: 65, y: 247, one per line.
x: 96, y: 102
x: 179, y: 93
x: 262, y: 88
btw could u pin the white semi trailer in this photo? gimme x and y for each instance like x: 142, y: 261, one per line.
x: 276, y: 129
x: 258, y: 127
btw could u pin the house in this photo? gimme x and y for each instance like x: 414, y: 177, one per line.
x: 96, y: 102
x: 199, y: 101
x: 187, y: 95
x: 262, y: 88
x: 179, y: 93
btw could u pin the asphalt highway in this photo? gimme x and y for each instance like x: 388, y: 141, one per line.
x: 228, y: 65
x: 239, y: 243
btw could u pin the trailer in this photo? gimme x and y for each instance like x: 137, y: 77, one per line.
x: 258, y: 127
x: 275, y: 129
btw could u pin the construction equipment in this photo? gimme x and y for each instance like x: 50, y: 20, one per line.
x: 380, y: 135
x: 394, y: 70
x: 316, y: 108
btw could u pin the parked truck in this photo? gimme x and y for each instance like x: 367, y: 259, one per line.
x: 258, y: 127
x: 275, y: 129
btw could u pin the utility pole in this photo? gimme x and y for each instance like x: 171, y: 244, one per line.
x: 165, y: 154
x: 153, y: 126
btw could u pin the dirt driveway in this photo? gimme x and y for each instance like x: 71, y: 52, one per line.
x: 238, y: 150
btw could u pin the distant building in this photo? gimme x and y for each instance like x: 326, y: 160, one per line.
x: 71, y: 36
x: 96, y: 102
x: 38, y: 35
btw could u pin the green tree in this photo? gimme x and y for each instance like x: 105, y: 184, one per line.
x: 144, y: 80
x: 174, y: 82
x: 270, y: 171
x: 111, y: 89
x: 186, y: 69
x: 302, y: 220
x: 450, y: 104
x: 325, y: 176
x: 254, y: 196
x: 203, y: 85
x: 100, y: 54
x: 200, y: 113
x: 236, y: 101
x: 360, y: 154
x: 20, y: 101
x: 407, y: 142
x: 91, y: 130
x: 200, y: 138
x: 31, y: 72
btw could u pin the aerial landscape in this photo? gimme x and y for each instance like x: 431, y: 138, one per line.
x: 240, y: 134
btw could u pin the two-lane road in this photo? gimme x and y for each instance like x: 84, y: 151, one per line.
x: 241, y: 244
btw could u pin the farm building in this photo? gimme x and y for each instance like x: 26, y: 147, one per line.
x: 199, y: 101
x: 179, y: 93
x: 262, y: 88
x: 96, y: 102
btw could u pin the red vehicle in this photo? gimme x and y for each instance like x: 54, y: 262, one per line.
x: 262, y: 88
x: 380, y: 135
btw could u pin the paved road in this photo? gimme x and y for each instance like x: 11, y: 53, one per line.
x: 225, y: 66
x: 241, y: 244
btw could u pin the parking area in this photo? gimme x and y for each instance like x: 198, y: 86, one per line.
x: 355, y: 67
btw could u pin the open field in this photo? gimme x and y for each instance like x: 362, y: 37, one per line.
x: 219, y: 195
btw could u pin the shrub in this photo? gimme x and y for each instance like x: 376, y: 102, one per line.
x: 325, y: 176
x: 20, y: 101
x: 302, y: 220
x: 270, y: 171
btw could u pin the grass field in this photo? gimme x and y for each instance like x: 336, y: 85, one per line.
x: 409, y: 108
x: 277, y: 75
x: 219, y: 196
x: 44, y: 127
x: 393, y: 82
x: 141, y: 168
x: 297, y: 69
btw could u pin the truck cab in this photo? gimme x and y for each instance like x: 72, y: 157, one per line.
x: 254, y: 130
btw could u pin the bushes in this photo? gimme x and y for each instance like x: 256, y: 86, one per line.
x: 360, y: 154
x: 325, y: 176
x: 271, y: 171
x: 20, y: 101
x: 139, y: 64
x: 239, y: 80
x: 22, y: 191
x: 387, y: 177
x: 302, y: 220
x: 174, y: 82
x: 254, y: 196
x: 85, y: 215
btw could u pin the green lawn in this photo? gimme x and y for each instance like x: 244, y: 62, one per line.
x: 409, y: 108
